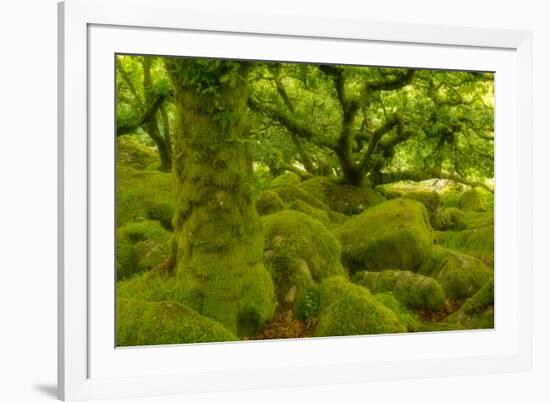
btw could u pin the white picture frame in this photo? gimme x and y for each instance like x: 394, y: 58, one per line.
x: 89, y: 365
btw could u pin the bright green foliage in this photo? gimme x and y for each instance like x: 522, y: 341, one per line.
x: 308, y: 304
x: 473, y: 200
x: 164, y: 323
x: 140, y: 247
x: 343, y: 198
x: 478, y: 310
x: 269, y: 202
x: 299, y: 252
x: 218, y: 239
x: 462, y: 275
x: 412, y: 290
x: 405, y: 316
x: 143, y: 107
x: 393, y: 235
x: 144, y: 195
x: 348, y: 309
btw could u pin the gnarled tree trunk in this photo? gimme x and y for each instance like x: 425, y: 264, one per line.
x: 218, y: 241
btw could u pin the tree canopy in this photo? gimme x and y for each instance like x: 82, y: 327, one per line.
x: 363, y: 125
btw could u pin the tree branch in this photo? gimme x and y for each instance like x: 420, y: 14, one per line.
x: 291, y: 124
x: 415, y: 175
x: 396, y: 120
x: 391, y: 84
x: 126, y: 128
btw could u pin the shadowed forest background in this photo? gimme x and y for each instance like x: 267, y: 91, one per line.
x: 263, y: 200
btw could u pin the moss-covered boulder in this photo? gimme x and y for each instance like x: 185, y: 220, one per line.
x: 144, y: 195
x: 348, y: 309
x: 141, y: 246
x: 477, y: 312
x: 478, y: 242
x: 141, y: 322
x: 316, y: 213
x: 392, y: 235
x: 476, y: 220
x: 288, y: 178
x: 473, y: 200
x: 131, y: 152
x: 269, y: 202
x: 290, y: 193
x: 448, y: 219
x: 412, y: 290
x: 256, y: 302
x: 460, y: 275
x: 429, y: 198
x: 299, y: 252
x: 342, y: 198
x: 405, y: 316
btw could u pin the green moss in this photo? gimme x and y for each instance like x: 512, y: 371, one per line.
x: 131, y: 152
x: 430, y: 199
x: 342, y: 198
x: 269, y: 202
x: 476, y: 220
x: 316, y: 213
x: 139, y: 322
x: 479, y: 242
x: 393, y: 235
x: 461, y: 275
x: 299, y: 252
x: 141, y: 246
x: 478, y: 311
x: 285, y: 179
x: 348, y: 309
x: 450, y: 195
x: 473, y: 200
x: 430, y: 326
x: 290, y: 193
x: 448, y: 219
x: 144, y: 195
x: 389, y: 192
x: 412, y: 290
x: 405, y: 316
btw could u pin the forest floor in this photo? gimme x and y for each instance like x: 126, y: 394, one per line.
x: 344, y: 260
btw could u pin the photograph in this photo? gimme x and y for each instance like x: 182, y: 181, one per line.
x: 259, y: 199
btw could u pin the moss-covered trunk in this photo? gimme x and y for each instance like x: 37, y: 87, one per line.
x: 218, y: 240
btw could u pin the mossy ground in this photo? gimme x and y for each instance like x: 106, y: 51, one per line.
x: 421, y: 262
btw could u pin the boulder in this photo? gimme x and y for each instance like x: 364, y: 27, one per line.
x: 410, y: 289
x: 348, y: 309
x: 299, y: 252
x: 141, y: 323
x: 392, y: 235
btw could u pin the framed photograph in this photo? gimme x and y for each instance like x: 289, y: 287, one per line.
x: 254, y: 201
